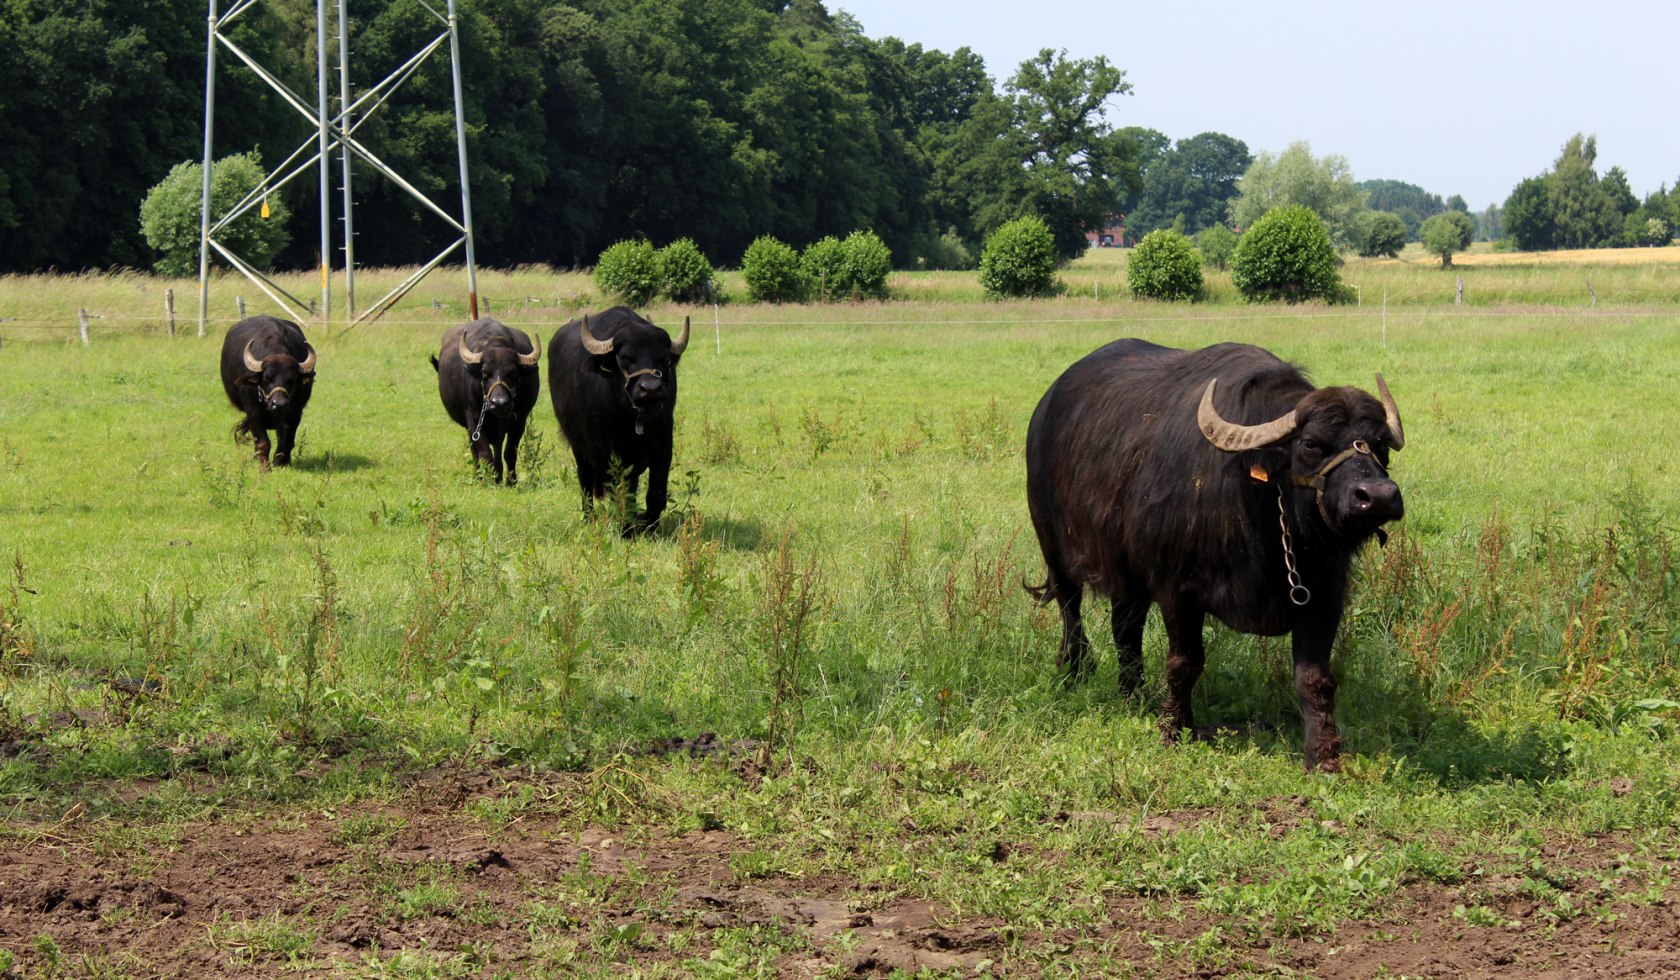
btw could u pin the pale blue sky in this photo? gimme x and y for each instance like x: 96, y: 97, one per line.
x: 1460, y: 97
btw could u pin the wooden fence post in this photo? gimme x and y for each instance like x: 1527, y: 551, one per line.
x: 81, y: 319
x: 169, y: 309
x: 1459, y: 299
x: 241, y: 301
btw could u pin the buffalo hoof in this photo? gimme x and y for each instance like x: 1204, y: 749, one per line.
x: 281, y: 459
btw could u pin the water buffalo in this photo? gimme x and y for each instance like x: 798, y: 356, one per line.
x: 613, y: 379
x: 1208, y: 481
x: 489, y: 387
x: 268, y: 371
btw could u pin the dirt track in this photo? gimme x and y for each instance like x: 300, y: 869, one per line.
x: 534, y: 897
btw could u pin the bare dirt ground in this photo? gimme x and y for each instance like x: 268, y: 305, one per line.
x: 428, y: 884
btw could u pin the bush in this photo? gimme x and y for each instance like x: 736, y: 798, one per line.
x: 1287, y: 255
x: 865, y: 262
x: 1020, y: 260
x: 169, y: 216
x: 1216, y: 243
x: 683, y: 271
x: 822, y: 265
x: 1164, y: 266
x: 628, y: 271
x: 772, y: 271
x: 1384, y: 235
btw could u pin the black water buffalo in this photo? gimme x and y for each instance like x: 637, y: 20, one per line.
x: 268, y: 371
x: 489, y: 387
x: 613, y: 378
x: 1139, y: 486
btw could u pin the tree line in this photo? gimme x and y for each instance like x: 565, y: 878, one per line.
x: 596, y: 121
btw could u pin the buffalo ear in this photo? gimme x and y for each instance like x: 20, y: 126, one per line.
x: 433, y: 359
x: 247, y: 379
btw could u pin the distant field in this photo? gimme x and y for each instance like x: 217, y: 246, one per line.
x: 370, y: 716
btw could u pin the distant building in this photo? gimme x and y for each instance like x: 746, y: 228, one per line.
x: 1113, y: 236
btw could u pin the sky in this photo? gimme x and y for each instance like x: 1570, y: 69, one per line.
x: 1466, y: 97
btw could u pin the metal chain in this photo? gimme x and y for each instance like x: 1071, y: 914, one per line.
x: 1298, y: 593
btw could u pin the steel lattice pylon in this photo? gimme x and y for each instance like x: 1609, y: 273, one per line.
x: 333, y: 132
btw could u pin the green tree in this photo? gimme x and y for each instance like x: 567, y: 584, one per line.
x: 1197, y: 179
x: 98, y: 100
x: 1044, y: 147
x: 1295, y: 177
x: 170, y: 215
x: 1164, y: 265
x: 1286, y: 255
x: 1385, y: 235
x: 1447, y: 234
x: 1020, y: 260
x: 1528, y: 216
x: 1583, y: 215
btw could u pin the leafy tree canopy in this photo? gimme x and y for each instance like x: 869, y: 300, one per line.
x: 1295, y: 177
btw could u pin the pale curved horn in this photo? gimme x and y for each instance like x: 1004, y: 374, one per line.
x: 307, y: 365
x: 536, y: 352
x: 681, y: 343
x: 590, y: 344
x: 467, y: 355
x: 1392, y: 411
x: 1234, y: 438
x: 252, y: 364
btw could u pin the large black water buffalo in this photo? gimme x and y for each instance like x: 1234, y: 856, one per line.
x: 1208, y: 481
x: 613, y: 379
x: 268, y: 371
x: 489, y: 386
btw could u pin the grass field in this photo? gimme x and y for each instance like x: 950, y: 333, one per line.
x: 813, y: 728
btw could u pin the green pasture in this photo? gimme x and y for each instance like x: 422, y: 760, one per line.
x: 840, y: 587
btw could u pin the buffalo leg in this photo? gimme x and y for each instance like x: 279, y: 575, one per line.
x: 659, y: 477
x: 1185, y: 658
x: 590, y: 480
x: 1315, y: 686
x: 1073, y: 657
x: 1128, y: 618
x: 285, y: 437
x: 259, y: 438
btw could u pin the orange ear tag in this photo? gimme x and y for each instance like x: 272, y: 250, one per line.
x: 1258, y: 474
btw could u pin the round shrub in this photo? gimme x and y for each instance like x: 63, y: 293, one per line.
x: 1287, y: 255
x: 1385, y: 235
x: 865, y: 262
x: 684, y: 271
x: 771, y: 270
x: 1216, y: 243
x: 823, y: 266
x: 1164, y: 266
x: 628, y: 271
x: 1020, y: 260
x: 169, y: 216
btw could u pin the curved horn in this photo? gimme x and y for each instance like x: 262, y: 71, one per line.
x: 307, y: 365
x: 467, y: 355
x: 1234, y: 438
x: 527, y: 360
x: 252, y: 364
x: 590, y: 344
x: 681, y: 343
x: 1395, y: 432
